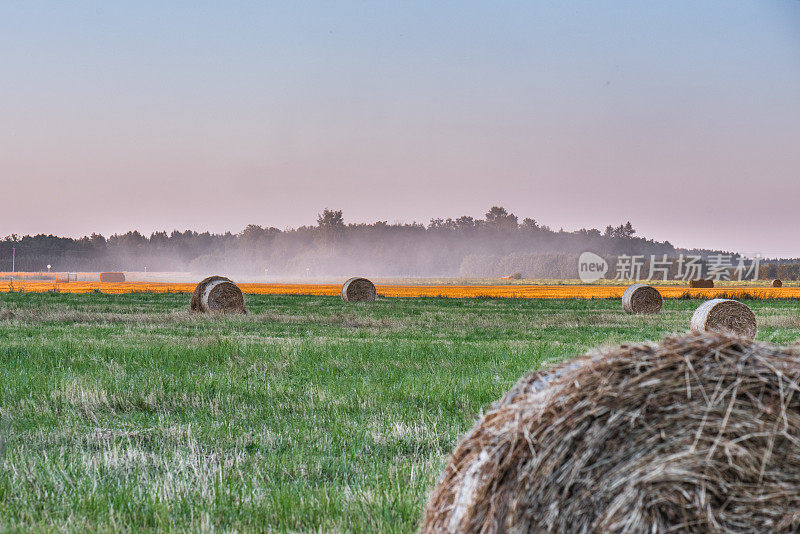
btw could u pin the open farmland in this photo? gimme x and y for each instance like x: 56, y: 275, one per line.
x: 305, y: 414
x: 449, y: 290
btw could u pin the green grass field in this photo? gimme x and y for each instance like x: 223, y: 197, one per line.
x: 307, y: 414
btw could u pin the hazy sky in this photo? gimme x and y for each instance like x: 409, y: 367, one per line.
x: 683, y: 117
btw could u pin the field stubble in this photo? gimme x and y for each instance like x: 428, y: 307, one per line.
x: 306, y: 414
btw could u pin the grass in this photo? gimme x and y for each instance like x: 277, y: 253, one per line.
x: 308, y: 414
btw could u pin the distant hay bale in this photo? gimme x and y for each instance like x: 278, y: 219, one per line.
x: 696, y: 434
x: 701, y: 284
x: 358, y: 290
x: 641, y: 298
x: 725, y: 315
x: 217, y: 294
x: 777, y: 283
x: 112, y: 277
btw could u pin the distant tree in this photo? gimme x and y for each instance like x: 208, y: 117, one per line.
x: 623, y: 231
x: 436, y: 224
x: 439, y: 224
x: 500, y: 219
x: 330, y: 220
x: 159, y: 239
x: 331, y: 226
x: 627, y: 231
x: 252, y: 233
x: 129, y: 241
x: 97, y: 241
x: 771, y: 270
x: 465, y: 222
x: 530, y: 224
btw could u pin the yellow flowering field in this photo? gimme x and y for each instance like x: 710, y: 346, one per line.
x: 396, y: 290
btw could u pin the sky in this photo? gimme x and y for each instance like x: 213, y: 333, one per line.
x: 680, y: 116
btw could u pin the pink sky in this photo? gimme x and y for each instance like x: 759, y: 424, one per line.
x: 685, y: 120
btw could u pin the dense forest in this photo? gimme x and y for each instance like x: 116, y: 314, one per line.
x: 497, y: 245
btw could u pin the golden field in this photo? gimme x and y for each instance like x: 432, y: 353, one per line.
x: 398, y: 290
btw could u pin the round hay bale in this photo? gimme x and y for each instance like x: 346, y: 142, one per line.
x: 696, y: 434
x: 725, y: 315
x: 112, y: 277
x: 777, y: 283
x: 217, y: 294
x: 641, y: 298
x: 358, y: 290
x: 701, y: 284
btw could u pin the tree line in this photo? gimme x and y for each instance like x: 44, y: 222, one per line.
x: 464, y: 246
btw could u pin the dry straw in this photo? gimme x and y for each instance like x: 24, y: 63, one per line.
x: 725, y: 315
x: 698, y: 434
x: 640, y: 298
x: 358, y: 290
x: 112, y: 277
x: 777, y: 283
x: 217, y: 294
x: 704, y: 284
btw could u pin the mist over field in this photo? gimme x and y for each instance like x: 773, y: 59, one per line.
x: 499, y: 244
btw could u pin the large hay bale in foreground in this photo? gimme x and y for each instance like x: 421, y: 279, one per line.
x: 217, y: 294
x: 777, y: 283
x: 358, y: 290
x: 112, y: 277
x: 641, y: 298
x: 701, y: 284
x: 698, y: 434
x: 725, y: 315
